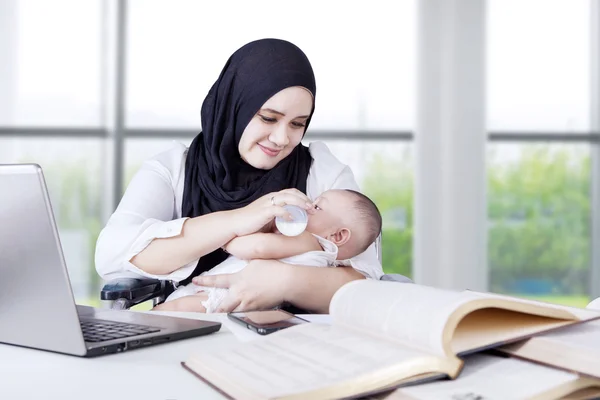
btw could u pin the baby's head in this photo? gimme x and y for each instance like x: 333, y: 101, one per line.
x: 347, y: 218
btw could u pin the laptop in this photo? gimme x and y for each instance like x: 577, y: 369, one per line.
x: 37, y: 307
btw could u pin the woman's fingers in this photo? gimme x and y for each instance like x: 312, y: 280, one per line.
x: 279, y: 211
x: 294, y: 191
x: 281, y: 199
x: 309, y: 205
x: 219, y: 281
x: 228, y: 304
x: 292, y: 198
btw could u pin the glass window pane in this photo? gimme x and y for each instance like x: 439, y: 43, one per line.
x: 364, y: 76
x: 539, y: 220
x: 539, y: 65
x: 383, y: 170
x: 74, y: 182
x: 51, y: 62
x: 139, y: 150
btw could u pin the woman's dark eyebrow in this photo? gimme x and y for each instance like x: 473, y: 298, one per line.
x: 280, y: 113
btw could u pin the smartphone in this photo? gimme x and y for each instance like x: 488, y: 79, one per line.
x: 265, y: 322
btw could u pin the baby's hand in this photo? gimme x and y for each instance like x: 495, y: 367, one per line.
x: 191, y: 303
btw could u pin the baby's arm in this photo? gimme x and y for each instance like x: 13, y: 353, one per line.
x: 271, y: 246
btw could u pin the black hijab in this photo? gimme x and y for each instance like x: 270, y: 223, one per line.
x: 216, y: 177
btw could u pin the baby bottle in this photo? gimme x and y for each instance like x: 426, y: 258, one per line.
x: 294, y: 227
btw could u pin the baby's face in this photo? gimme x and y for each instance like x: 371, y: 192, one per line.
x: 333, y: 209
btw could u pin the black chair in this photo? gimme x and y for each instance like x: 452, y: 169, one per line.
x: 123, y: 293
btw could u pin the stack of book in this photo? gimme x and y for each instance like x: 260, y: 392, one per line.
x: 392, y: 340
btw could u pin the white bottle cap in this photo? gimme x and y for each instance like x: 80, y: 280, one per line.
x: 295, y: 226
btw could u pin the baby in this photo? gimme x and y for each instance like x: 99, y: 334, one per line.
x: 346, y: 222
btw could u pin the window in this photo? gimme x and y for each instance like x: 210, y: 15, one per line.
x: 51, y: 63
x: 539, y: 220
x: 139, y: 150
x: 365, y: 83
x: 55, y: 77
x: 364, y: 76
x: 538, y: 65
x: 539, y: 205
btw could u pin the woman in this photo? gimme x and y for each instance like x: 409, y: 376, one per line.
x: 184, y: 205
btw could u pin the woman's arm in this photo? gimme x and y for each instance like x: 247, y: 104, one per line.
x: 313, y: 288
x: 145, y: 237
x: 146, y: 212
x: 199, y: 236
x: 142, y: 238
x: 264, y: 284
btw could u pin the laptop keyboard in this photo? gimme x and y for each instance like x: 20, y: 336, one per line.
x: 100, y: 331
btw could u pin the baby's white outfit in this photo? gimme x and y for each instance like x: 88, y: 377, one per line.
x: 318, y: 258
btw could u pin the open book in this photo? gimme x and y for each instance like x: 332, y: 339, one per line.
x: 491, y: 377
x: 383, y: 334
x: 576, y: 348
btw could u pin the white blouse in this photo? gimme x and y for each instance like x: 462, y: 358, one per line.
x: 151, y: 208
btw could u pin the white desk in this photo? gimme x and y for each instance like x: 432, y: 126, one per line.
x: 148, y: 373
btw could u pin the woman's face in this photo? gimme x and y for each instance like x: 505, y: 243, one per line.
x: 277, y: 128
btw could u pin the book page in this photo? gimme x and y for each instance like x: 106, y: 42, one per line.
x: 584, y: 394
x: 573, y: 348
x: 406, y: 312
x: 581, y: 313
x: 308, y: 357
x: 492, y: 378
x: 410, y: 313
x: 585, y: 337
x: 594, y: 304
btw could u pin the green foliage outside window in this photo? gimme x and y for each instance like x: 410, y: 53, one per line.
x: 538, y: 217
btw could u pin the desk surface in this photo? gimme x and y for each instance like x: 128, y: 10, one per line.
x: 148, y: 373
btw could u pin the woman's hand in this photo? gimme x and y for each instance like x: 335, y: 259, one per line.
x: 261, y: 285
x: 261, y: 212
